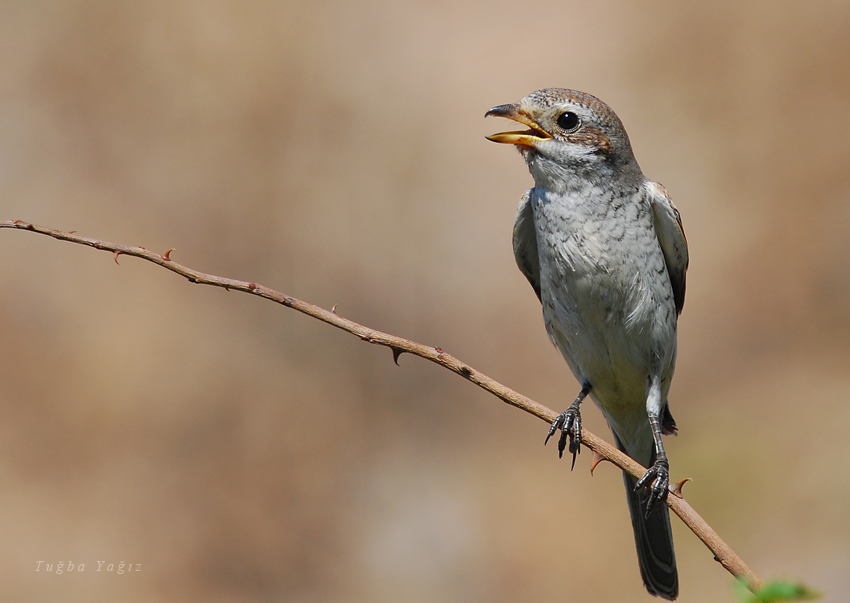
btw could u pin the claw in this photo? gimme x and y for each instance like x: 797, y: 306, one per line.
x: 556, y: 425
x: 569, y: 422
x: 575, y: 443
x: 562, y: 441
x: 643, y: 480
x: 657, y: 479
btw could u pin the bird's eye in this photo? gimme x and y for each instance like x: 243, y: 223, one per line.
x: 568, y: 121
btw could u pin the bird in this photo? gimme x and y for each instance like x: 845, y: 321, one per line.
x: 604, y: 249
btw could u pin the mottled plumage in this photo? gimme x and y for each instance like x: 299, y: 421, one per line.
x: 604, y: 250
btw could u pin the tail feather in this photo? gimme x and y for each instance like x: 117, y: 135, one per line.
x: 654, y: 543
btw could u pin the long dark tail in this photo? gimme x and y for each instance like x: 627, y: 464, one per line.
x: 654, y: 542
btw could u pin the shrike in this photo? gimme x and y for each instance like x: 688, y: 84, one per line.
x: 604, y: 250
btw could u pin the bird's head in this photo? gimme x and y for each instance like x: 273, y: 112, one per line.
x: 570, y: 133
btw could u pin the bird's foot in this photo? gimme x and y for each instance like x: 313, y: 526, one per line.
x: 569, y: 422
x: 657, y: 480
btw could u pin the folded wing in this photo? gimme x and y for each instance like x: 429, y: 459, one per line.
x: 671, y: 237
x: 525, y: 243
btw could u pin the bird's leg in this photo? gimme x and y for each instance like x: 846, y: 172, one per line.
x: 657, y: 477
x: 569, y: 422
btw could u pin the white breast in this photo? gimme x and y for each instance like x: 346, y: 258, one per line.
x: 605, y: 304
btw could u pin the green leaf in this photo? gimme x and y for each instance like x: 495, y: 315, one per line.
x: 776, y: 591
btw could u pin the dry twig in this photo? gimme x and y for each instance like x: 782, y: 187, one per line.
x: 602, y: 450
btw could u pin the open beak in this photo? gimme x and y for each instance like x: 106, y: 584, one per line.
x: 525, y: 138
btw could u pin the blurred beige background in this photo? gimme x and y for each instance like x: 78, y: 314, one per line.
x: 335, y: 151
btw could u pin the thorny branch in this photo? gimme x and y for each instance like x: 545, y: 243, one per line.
x: 601, y: 449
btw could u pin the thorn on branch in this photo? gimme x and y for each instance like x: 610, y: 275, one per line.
x: 676, y: 489
x: 115, y: 257
x: 333, y: 311
x: 597, y: 458
x: 396, y: 353
x: 167, y: 256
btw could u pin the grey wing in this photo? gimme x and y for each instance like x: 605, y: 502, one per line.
x: 525, y: 243
x: 671, y: 237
